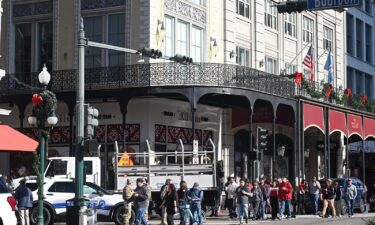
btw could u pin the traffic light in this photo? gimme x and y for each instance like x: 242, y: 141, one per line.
x: 220, y: 169
x: 91, y: 120
x: 152, y: 53
x: 262, y: 138
x: 182, y: 59
x: 291, y: 6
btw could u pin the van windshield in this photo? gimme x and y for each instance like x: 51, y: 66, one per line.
x: 57, y: 167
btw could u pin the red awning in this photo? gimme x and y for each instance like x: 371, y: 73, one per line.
x: 369, y: 127
x: 354, y: 125
x: 13, y: 140
x: 313, y: 117
x: 337, y: 121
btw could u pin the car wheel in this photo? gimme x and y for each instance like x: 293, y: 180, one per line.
x: 34, y: 215
x: 362, y: 206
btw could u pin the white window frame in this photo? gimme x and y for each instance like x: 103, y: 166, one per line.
x: 195, y: 45
x: 180, y: 40
x: 170, y: 35
x: 274, y: 69
x: 199, y: 2
x: 290, y: 68
x: 247, y: 56
x: 308, y: 29
x: 270, y: 15
x: 290, y: 24
x: 245, y: 13
x: 327, y: 38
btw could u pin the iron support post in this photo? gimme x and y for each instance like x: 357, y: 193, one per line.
x: 42, y: 153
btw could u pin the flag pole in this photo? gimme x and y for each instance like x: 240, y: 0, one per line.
x: 299, y: 53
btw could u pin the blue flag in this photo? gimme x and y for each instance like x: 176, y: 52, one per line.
x: 329, y: 67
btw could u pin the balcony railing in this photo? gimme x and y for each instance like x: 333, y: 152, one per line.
x: 174, y: 74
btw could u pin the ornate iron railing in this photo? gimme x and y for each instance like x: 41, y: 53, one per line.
x: 158, y: 74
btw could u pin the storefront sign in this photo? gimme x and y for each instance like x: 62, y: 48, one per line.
x: 369, y: 127
x: 354, y: 125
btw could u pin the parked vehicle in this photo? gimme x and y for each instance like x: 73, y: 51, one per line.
x: 59, y: 190
x: 8, y: 207
x: 359, y: 203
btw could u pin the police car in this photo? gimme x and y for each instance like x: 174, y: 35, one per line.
x: 58, y: 190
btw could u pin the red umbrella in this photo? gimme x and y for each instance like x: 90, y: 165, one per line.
x: 13, y: 140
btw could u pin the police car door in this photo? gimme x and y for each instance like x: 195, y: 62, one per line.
x: 58, y: 193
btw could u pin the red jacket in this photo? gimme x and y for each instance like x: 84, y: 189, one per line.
x: 285, y: 191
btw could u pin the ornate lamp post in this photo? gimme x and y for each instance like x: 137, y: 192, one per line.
x: 44, y: 106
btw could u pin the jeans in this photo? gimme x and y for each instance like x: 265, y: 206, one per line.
x: 182, y: 213
x: 196, y: 210
x: 285, y: 204
x: 242, y: 211
x: 140, y: 216
x: 262, y: 209
x: 170, y: 219
x: 257, y: 209
x: 350, y: 206
x: 314, y: 202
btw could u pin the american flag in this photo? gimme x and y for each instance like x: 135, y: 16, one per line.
x: 308, y: 62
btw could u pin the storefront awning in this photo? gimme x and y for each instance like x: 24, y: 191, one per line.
x: 354, y: 125
x: 313, y: 117
x: 337, y: 121
x: 13, y: 140
x: 369, y: 127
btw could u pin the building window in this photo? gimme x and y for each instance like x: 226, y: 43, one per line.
x: 169, y: 36
x: 23, y: 48
x: 197, y: 44
x: 290, y: 68
x: 368, y: 7
x: 183, y: 38
x: 350, y: 80
x: 243, y: 8
x: 270, y: 15
x: 271, y: 65
x: 198, y: 2
x: 369, y: 85
x: 327, y: 38
x: 94, y: 32
x: 358, y: 82
x: 349, y: 33
x: 369, y: 43
x: 290, y: 24
x: 359, y: 43
x: 306, y: 74
x: 45, y: 44
x: 116, y: 34
x: 242, y: 56
x: 308, y: 27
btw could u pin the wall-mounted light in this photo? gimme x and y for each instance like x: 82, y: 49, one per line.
x: 213, y: 47
x: 160, y: 32
x: 232, y: 54
x: 261, y: 63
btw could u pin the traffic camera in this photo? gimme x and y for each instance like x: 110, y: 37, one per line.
x: 152, y: 53
x: 182, y: 59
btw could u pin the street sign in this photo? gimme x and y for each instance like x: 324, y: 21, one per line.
x: 331, y: 4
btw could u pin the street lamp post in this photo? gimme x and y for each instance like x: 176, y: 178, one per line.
x: 44, y: 106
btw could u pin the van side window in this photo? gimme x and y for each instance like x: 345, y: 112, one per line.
x: 57, y: 167
x: 88, y: 167
x: 62, y: 187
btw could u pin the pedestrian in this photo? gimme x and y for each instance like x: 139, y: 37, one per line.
x: 337, y: 198
x: 171, y: 203
x: 7, y: 183
x: 285, y: 196
x: 24, y: 199
x: 350, y: 194
x: 163, y: 192
x: 274, y: 199
x: 149, y: 202
x: 231, y: 189
x: 127, y: 196
x: 265, y: 188
x: 328, y: 198
x: 242, y: 199
x: 140, y: 199
x: 301, y: 197
x: 257, y: 197
x: 182, y: 200
x: 195, y: 196
x: 314, y: 190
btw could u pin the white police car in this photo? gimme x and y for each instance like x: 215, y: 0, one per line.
x: 57, y: 191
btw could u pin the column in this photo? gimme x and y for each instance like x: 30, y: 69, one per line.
x: 249, y: 162
x: 273, y: 145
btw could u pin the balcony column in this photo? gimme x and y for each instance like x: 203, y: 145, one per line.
x: 71, y: 143
x: 193, y: 110
x: 249, y: 162
x: 273, y: 144
x: 124, y: 112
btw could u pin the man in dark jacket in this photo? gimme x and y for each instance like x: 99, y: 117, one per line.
x: 24, y: 199
x: 337, y: 198
x: 140, y: 199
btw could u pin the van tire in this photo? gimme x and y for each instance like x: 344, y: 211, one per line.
x: 34, y: 215
x: 362, y: 206
x: 118, y: 216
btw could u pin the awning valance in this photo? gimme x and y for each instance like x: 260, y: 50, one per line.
x: 354, y: 125
x: 13, y: 140
x: 369, y: 127
x: 337, y: 121
x: 313, y: 117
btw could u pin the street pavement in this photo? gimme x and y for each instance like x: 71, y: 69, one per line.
x: 358, y: 219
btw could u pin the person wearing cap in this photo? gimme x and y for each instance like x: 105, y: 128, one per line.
x: 328, y: 198
x: 350, y: 193
x: 24, y: 199
x: 140, y: 199
x: 127, y: 195
x: 163, y: 194
x: 195, y: 196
